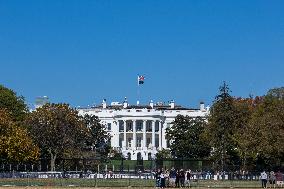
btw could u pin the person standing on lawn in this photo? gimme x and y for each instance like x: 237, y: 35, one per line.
x: 158, y: 178
x: 172, y: 176
x: 272, y: 179
x: 181, y: 178
x: 279, y: 179
x: 162, y: 180
x: 187, y: 178
x: 263, y: 177
x: 167, y: 177
x: 177, y: 179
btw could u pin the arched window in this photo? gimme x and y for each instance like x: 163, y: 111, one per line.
x: 139, y: 157
x: 149, y: 156
x: 129, y: 156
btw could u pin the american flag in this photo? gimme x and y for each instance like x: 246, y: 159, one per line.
x: 140, y: 79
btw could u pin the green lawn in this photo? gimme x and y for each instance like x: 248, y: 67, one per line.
x: 122, y: 183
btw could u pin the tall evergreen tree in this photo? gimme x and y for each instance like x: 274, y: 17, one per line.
x: 221, y: 127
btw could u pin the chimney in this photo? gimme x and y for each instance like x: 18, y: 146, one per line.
x: 125, y: 103
x: 104, y: 104
x: 207, y: 108
x: 172, y: 104
x: 152, y: 104
x: 202, y: 106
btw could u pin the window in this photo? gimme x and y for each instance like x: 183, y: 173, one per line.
x: 109, y: 126
x: 138, y: 142
x: 129, y: 156
x: 120, y: 142
x: 168, y: 125
x: 121, y: 126
x: 148, y: 141
x: 157, y: 142
x: 168, y: 143
x: 149, y: 156
x: 156, y: 126
x: 129, y: 142
x: 139, y: 125
x: 139, y: 157
x: 149, y: 126
x: 129, y: 126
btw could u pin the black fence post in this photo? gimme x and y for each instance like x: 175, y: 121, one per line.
x: 128, y: 177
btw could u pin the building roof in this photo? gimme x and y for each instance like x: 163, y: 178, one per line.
x: 157, y: 107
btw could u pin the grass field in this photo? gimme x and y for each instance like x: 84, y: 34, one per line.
x: 116, y: 183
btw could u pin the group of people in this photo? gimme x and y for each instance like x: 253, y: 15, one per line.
x: 273, y: 179
x: 172, y: 178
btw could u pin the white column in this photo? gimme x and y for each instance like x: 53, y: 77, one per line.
x: 164, y: 144
x: 134, y: 134
x: 160, y: 135
x: 144, y: 134
x: 124, y: 133
x: 116, y: 133
x: 153, y: 134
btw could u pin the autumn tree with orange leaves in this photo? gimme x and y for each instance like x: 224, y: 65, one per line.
x: 15, y: 143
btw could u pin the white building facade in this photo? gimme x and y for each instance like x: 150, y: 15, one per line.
x: 139, y: 131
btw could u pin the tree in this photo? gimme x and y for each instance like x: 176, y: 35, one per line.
x: 244, y: 135
x: 15, y: 105
x: 15, y: 144
x: 116, y: 155
x: 99, y: 139
x: 276, y: 92
x: 164, y: 154
x: 220, y: 128
x: 185, y: 137
x: 57, y: 129
x: 267, y: 126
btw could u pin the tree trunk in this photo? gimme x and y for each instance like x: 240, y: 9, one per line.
x: 245, y: 163
x: 52, y: 161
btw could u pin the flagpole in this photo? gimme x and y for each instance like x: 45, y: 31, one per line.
x: 138, y: 91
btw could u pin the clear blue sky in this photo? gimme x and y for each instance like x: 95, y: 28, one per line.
x: 81, y: 52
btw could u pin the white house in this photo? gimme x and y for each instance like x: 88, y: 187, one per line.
x: 138, y: 131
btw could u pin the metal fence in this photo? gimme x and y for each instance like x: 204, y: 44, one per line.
x: 119, y: 173
x: 110, y: 179
x: 118, y: 165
